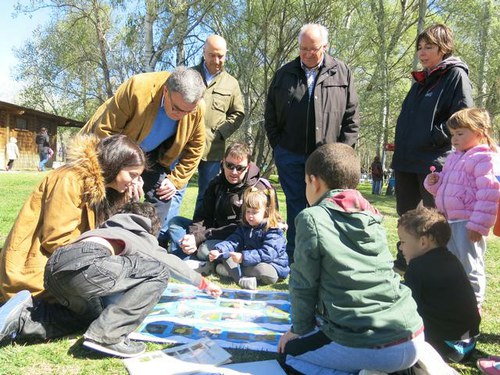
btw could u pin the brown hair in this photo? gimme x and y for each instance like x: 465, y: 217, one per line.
x: 239, y: 151
x: 145, y: 209
x: 439, y: 35
x: 337, y: 164
x: 256, y: 199
x: 428, y: 222
x: 477, y: 120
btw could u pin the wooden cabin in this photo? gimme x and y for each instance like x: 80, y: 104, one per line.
x: 24, y: 124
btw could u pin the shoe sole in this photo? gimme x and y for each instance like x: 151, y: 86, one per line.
x: 102, y: 349
x: 12, y: 306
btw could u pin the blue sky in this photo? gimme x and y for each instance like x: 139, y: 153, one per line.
x: 14, y: 31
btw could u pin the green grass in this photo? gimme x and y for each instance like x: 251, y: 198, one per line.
x: 67, y: 356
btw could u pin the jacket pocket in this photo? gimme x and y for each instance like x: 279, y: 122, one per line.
x: 440, y: 136
x: 220, y: 100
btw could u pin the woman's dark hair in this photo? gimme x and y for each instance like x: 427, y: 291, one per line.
x: 117, y: 152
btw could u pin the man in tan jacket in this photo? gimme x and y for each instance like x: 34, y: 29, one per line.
x: 164, y: 114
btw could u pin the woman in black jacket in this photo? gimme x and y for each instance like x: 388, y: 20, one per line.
x: 422, y: 138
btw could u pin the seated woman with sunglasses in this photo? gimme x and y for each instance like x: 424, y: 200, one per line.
x: 220, y: 213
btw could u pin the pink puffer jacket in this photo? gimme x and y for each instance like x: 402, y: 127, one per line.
x: 468, y: 189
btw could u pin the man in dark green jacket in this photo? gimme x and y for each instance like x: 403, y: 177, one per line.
x: 224, y: 109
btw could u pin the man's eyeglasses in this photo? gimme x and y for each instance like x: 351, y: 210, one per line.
x: 176, y: 108
x: 231, y: 166
x: 310, y: 50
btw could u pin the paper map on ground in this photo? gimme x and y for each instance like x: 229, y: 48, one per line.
x: 238, y: 319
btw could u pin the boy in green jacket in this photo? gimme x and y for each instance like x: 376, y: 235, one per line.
x: 349, y: 310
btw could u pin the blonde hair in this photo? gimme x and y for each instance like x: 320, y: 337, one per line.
x: 475, y: 119
x: 257, y: 199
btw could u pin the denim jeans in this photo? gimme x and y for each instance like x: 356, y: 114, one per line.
x: 82, y: 274
x: 44, y: 158
x: 177, y: 229
x: 376, y: 187
x: 314, y: 354
x: 175, y: 206
x: 291, y: 171
x: 207, y: 170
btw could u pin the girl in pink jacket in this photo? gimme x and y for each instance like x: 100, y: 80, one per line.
x: 467, y: 191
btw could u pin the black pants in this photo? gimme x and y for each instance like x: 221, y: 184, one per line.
x: 410, y: 191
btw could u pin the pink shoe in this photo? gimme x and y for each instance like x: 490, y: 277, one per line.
x: 489, y: 366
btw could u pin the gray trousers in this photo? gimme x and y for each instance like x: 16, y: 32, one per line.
x: 83, y: 276
x: 471, y: 255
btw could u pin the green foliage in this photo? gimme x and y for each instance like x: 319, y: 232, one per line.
x: 67, y: 356
x: 89, y: 47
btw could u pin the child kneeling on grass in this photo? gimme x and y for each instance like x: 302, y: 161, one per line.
x: 111, y: 277
x: 256, y: 251
x: 439, y: 284
x: 349, y: 310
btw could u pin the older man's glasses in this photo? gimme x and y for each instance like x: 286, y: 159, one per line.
x: 237, y: 167
x: 310, y: 50
x: 176, y: 108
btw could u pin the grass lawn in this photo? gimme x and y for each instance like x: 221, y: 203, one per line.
x: 66, y: 356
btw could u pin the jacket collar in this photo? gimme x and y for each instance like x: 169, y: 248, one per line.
x: 83, y: 159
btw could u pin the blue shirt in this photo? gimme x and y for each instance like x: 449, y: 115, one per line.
x: 163, y: 128
x: 209, y: 77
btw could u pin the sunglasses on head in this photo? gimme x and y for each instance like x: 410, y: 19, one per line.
x: 231, y: 166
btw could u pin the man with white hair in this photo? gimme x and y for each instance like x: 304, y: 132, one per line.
x: 311, y: 101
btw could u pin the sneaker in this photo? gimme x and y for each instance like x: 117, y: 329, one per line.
x: 10, y: 315
x: 248, y: 283
x: 459, y: 351
x: 125, y: 348
x: 204, y: 267
x: 489, y: 366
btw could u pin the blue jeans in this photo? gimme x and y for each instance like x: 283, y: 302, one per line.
x: 376, y: 187
x: 175, y: 206
x: 291, y: 171
x: 44, y: 158
x: 82, y: 274
x: 328, y: 357
x: 177, y: 229
x: 207, y: 170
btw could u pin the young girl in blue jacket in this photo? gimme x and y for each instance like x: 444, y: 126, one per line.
x: 256, y: 251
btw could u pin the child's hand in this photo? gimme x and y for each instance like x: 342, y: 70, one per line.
x: 213, y: 255
x: 283, y: 226
x: 433, y: 178
x: 213, y: 290
x: 236, y: 257
x: 473, y: 235
x: 188, y: 244
x: 288, y: 336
